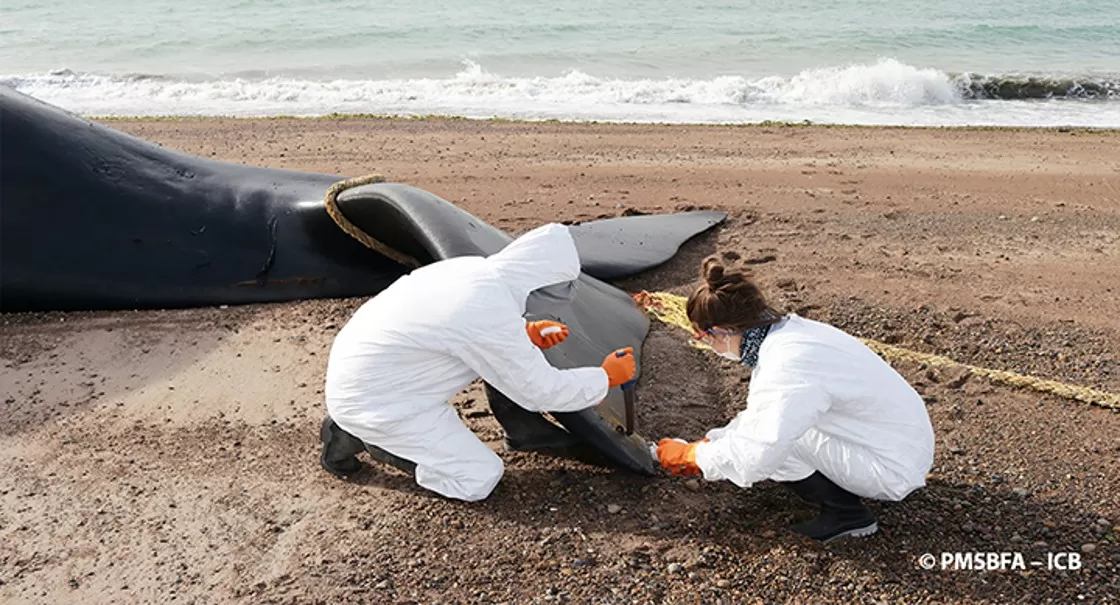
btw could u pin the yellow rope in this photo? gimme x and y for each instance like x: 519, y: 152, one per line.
x: 670, y: 309
x: 331, y: 202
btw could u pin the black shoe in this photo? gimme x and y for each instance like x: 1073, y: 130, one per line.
x: 339, y: 449
x: 527, y: 431
x: 842, y: 512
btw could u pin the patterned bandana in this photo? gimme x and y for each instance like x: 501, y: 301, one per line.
x: 752, y: 342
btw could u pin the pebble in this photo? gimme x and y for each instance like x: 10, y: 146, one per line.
x: 614, y: 509
x: 1088, y: 548
x: 693, y: 485
x: 677, y: 567
x: 723, y: 583
x: 1103, y: 522
x: 1022, y: 493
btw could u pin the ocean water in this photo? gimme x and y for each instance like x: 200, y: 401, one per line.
x: 906, y: 62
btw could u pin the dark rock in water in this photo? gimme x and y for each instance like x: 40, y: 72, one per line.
x: 1035, y: 88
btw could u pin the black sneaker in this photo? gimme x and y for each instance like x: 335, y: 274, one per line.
x: 828, y: 527
x: 842, y: 513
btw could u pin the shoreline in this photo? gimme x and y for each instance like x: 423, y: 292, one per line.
x: 807, y: 124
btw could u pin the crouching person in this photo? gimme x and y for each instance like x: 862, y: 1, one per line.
x: 825, y: 416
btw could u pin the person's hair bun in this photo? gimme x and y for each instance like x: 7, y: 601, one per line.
x: 716, y: 276
x: 727, y: 298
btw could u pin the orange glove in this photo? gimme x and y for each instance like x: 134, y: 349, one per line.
x: 678, y: 457
x: 620, y: 370
x: 551, y: 338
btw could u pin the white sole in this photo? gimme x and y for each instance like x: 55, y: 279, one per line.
x: 859, y: 532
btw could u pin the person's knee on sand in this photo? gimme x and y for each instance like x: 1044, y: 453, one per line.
x: 475, y: 478
x: 475, y: 474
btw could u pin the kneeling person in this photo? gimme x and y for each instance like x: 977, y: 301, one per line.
x: 396, y: 363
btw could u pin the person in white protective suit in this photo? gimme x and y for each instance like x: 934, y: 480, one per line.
x: 825, y: 415
x: 408, y: 350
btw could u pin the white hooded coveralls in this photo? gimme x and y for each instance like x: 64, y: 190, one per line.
x: 821, y: 400
x: 402, y: 356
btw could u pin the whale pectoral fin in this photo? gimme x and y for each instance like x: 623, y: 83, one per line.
x: 618, y: 247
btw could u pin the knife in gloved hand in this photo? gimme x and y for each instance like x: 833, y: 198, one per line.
x: 628, y: 396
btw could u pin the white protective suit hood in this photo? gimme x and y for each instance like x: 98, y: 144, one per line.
x: 539, y: 268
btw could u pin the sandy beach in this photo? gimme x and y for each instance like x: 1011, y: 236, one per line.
x: 172, y: 456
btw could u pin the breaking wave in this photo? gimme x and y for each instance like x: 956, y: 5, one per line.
x: 887, y: 87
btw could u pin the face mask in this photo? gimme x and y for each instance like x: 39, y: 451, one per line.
x: 729, y: 353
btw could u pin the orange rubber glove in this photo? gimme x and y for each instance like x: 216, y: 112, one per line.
x: 620, y: 370
x: 534, y: 328
x: 678, y: 457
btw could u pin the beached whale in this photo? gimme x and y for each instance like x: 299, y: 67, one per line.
x: 93, y: 218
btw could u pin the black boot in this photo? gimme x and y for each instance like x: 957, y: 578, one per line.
x: 339, y: 449
x: 525, y: 430
x: 842, y: 512
x: 381, y: 455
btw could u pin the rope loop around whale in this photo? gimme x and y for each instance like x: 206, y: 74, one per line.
x: 330, y: 200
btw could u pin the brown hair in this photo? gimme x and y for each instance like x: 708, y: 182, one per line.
x: 727, y: 299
